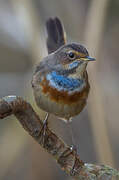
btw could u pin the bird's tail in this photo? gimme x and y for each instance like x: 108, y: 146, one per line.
x: 56, y: 34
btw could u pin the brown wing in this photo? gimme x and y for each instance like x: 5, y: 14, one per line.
x: 56, y: 34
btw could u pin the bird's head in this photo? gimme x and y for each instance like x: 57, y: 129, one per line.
x: 73, y: 59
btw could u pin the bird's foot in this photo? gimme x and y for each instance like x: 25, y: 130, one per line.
x: 73, y: 148
x: 43, y: 130
x: 67, y: 153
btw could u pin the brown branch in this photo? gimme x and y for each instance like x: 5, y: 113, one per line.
x: 68, y: 160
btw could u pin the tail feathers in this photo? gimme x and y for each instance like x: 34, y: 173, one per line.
x: 56, y: 34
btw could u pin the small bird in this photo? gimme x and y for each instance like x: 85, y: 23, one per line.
x: 60, y: 81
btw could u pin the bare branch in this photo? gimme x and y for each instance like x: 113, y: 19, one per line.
x: 68, y: 160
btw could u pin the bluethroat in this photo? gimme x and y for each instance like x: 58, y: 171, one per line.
x: 60, y: 81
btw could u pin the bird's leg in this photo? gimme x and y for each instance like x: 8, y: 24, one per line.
x: 70, y: 150
x: 73, y: 147
x: 43, y: 130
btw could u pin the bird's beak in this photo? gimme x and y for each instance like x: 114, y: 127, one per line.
x: 87, y: 58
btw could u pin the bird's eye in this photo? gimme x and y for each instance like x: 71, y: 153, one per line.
x: 71, y: 55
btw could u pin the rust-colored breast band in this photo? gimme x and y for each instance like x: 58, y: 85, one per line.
x: 63, y: 96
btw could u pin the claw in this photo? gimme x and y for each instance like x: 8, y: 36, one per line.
x: 73, y: 148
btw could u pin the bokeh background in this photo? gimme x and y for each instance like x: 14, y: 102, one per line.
x: 94, y: 23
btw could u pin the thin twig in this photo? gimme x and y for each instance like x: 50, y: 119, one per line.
x: 66, y: 158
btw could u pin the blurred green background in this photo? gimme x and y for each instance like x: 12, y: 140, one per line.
x: 94, y: 23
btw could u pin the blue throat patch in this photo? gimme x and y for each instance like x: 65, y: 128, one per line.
x: 65, y: 83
